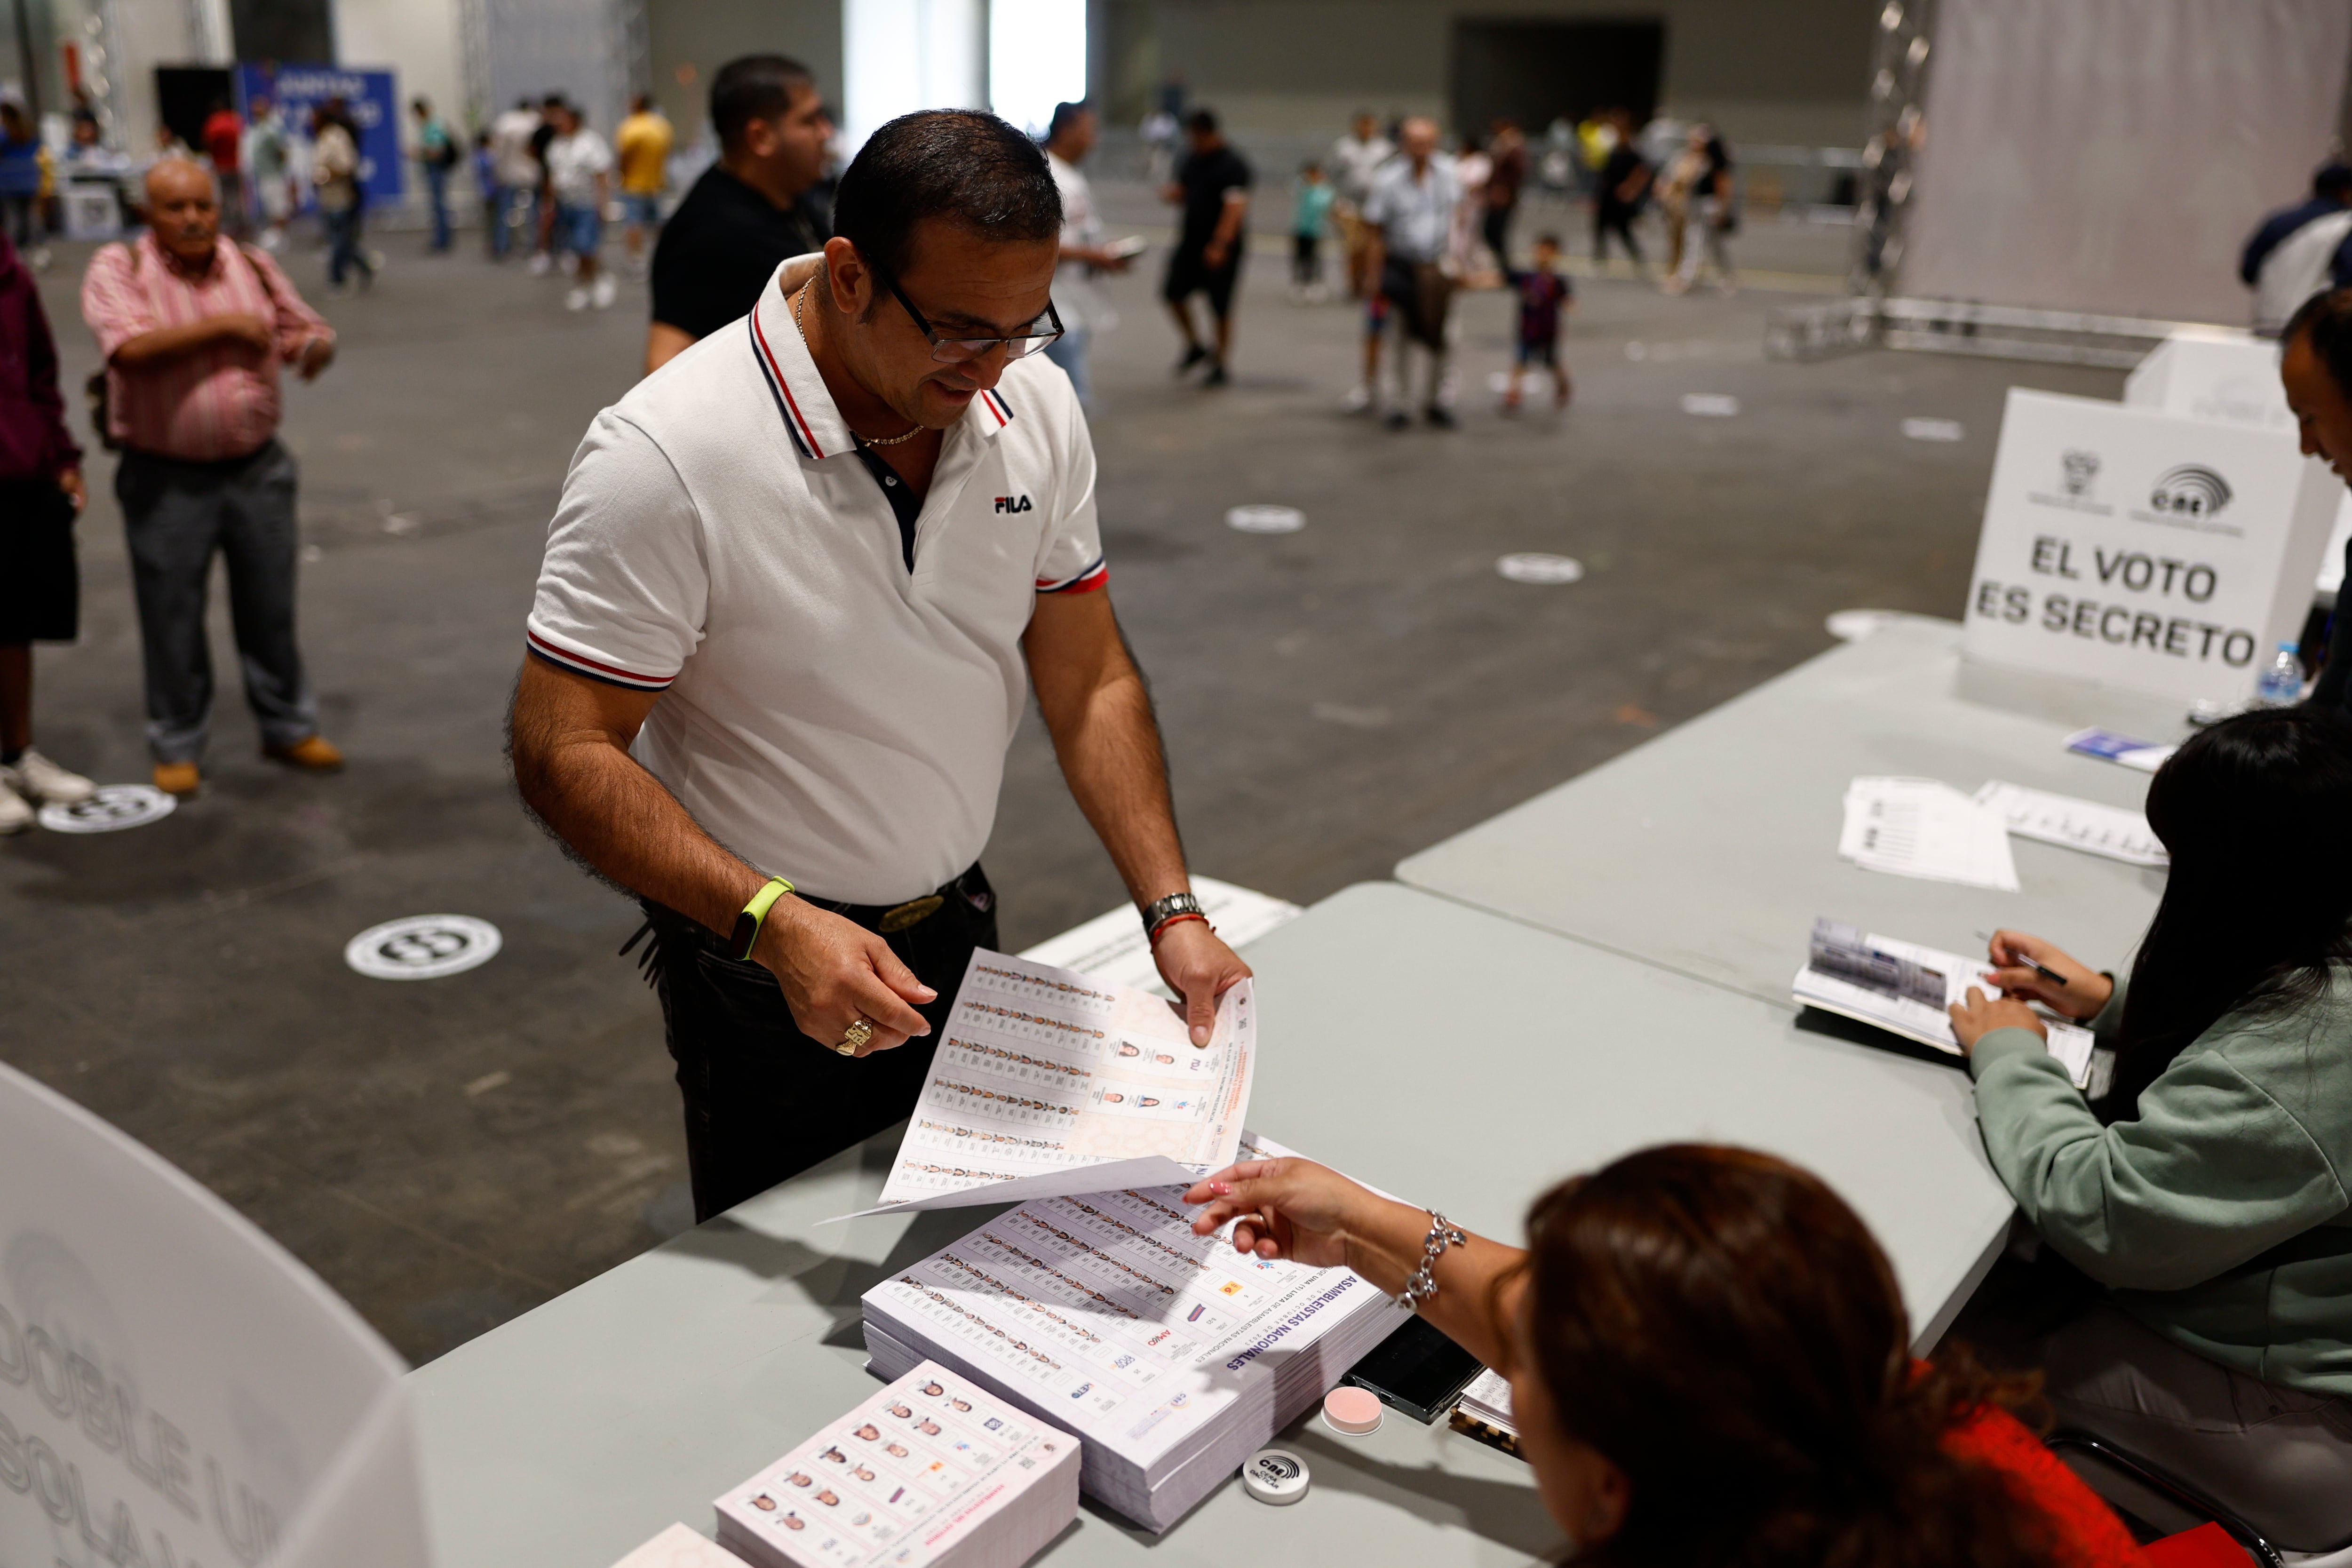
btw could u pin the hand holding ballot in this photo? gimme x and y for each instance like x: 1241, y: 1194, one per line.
x: 2028, y: 970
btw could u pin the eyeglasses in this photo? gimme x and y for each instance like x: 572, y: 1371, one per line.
x: 962, y: 350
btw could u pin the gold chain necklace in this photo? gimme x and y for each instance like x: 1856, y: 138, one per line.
x: 801, y: 293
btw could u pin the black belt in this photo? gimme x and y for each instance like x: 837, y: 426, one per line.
x: 889, y: 918
x: 886, y: 919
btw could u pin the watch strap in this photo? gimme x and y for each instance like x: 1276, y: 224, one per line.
x: 1159, y: 911
x: 746, y: 935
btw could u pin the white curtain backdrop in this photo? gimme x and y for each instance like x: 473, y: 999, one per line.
x: 2112, y: 155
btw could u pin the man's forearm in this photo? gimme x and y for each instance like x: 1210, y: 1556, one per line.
x: 621, y: 820
x: 1110, y: 753
x: 170, y: 343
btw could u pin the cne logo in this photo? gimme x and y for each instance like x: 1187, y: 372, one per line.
x: 2080, y: 468
x: 2189, y: 490
x: 1014, y: 503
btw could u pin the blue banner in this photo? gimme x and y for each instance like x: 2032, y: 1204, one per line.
x: 293, y: 90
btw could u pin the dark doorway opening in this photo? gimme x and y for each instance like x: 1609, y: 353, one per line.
x: 185, y: 97
x: 1537, y: 72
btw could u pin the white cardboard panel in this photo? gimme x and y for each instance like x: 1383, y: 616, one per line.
x: 2144, y: 550
x: 175, y: 1388
x: 2213, y: 375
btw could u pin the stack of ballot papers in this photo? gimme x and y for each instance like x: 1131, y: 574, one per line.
x: 1173, y: 1356
x: 1050, y: 1080
x: 932, y: 1472
x: 1924, y: 827
x: 1904, y: 988
x: 2110, y: 830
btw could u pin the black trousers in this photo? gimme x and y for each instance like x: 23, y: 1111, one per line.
x: 764, y: 1101
x: 1610, y: 218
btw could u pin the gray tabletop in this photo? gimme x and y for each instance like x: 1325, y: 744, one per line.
x: 1711, y: 849
x: 1449, y: 1055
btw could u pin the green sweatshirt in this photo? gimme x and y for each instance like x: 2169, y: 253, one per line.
x: 2222, y: 1218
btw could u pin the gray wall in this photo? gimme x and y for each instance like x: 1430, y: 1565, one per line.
x: 706, y: 34
x: 1765, y: 70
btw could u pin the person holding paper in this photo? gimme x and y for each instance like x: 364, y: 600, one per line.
x: 2207, y: 1195
x: 1709, y: 1362
x: 794, y: 599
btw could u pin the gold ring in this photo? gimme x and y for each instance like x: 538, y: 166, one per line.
x: 854, y: 1038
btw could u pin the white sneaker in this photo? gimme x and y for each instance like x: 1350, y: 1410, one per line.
x: 576, y: 300
x: 1358, y: 400
x: 36, y: 777
x: 539, y: 263
x: 39, y: 258
x: 603, y: 293
x: 15, y: 814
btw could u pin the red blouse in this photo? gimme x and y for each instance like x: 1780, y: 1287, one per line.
x: 2086, y: 1531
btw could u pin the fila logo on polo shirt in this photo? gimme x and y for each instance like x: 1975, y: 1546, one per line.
x: 1014, y: 503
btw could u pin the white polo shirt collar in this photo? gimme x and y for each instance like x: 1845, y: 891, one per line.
x: 811, y: 418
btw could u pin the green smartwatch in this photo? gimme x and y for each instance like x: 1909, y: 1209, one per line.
x: 746, y: 935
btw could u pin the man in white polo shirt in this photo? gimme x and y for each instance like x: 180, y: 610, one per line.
x: 799, y: 586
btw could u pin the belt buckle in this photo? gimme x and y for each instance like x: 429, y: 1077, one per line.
x: 913, y: 912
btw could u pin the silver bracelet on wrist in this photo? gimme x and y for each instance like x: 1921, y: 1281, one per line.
x: 1422, y: 1284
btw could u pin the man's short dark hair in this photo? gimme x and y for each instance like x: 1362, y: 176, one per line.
x: 756, y: 87
x: 2332, y: 180
x: 1064, y: 115
x: 959, y: 165
x: 2325, y: 320
x: 1201, y: 123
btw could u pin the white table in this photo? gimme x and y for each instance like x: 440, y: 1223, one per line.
x: 1454, y: 1055
x: 1711, y: 849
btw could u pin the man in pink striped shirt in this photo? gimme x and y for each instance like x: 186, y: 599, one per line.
x: 192, y: 332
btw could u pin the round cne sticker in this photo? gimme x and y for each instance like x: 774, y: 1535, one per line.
x: 111, y: 809
x: 1276, y: 1476
x: 422, y: 947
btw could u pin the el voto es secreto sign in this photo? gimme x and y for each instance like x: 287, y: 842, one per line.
x: 2143, y: 550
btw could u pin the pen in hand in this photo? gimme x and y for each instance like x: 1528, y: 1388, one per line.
x: 2043, y: 970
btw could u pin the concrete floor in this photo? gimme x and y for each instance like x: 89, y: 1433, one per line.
x: 448, y: 1153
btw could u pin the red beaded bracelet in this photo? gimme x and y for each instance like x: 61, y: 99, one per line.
x: 1176, y: 919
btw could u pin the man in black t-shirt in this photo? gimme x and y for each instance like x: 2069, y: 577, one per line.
x: 1213, y: 186
x: 751, y: 210
x: 1624, y: 186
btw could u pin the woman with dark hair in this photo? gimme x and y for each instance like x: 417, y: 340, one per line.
x: 2208, y: 1193
x: 1709, y: 1365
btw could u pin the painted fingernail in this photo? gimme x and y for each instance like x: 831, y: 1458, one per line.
x: 1223, y: 1189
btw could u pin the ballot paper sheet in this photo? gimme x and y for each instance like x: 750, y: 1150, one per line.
x: 1926, y: 828
x: 2086, y: 825
x: 926, y: 1469
x: 1904, y: 988
x: 1044, y: 1073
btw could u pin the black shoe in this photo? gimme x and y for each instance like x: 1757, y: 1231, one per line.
x: 1192, y: 357
x: 1443, y: 418
x: 1397, y: 420
x: 1216, y: 376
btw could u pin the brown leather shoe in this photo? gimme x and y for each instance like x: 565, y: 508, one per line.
x: 177, y: 778
x: 314, y: 753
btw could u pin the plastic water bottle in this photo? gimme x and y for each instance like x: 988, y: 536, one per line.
x: 2282, y: 682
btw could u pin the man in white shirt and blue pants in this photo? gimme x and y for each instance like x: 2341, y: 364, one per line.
x: 794, y: 599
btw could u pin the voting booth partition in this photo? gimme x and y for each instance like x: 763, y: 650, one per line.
x: 2210, y: 373
x: 2133, y: 548
x: 175, y: 1390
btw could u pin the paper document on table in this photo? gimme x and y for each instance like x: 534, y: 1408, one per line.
x: 2146, y: 755
x: 1904, y: 988
x: 1048, y: 1081
x: 2110, y: 830
x: 1924, y: 827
